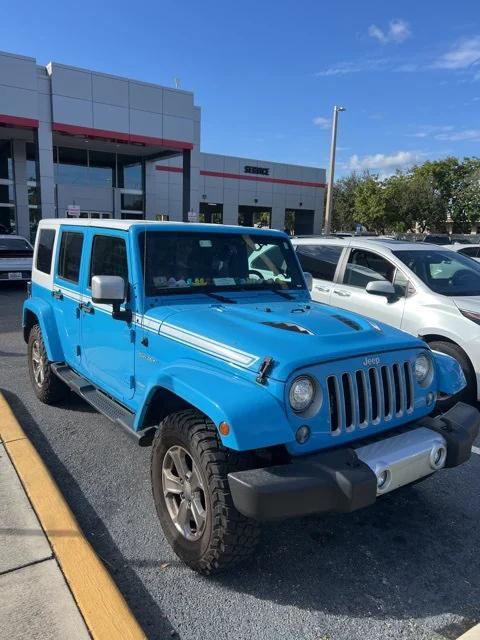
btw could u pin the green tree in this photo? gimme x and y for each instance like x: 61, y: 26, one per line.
x: 343, y: 212
x: 370, y: 204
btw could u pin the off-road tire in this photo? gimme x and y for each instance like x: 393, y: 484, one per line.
x: 228, y: 537
x: 469, y: 394
x: 51, y: 389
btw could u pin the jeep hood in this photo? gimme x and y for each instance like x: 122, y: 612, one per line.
x: 294, y: 334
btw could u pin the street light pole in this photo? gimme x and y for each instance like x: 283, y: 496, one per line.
x: 328, y: 206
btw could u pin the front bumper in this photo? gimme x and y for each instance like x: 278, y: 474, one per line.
x: 349, y: 478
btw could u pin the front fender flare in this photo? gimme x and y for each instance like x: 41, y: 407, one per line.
x: 46, y: 319
x: 253, y: 412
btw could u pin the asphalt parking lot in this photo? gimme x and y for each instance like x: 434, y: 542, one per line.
x: 405, y: 568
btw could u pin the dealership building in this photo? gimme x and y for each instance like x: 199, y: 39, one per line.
x: 81, y: 143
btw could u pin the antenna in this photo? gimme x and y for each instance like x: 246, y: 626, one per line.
x: 177, y: 83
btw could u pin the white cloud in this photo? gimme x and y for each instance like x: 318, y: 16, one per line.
x: 424, y: 131
x: 460, y: 136
x: 384, y: 163
x: 323, y: 123
x: 398, y: 31
x: 464, y: 54
x: 342, y: 68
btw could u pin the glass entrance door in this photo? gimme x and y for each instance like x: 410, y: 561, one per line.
x: 260, y: 217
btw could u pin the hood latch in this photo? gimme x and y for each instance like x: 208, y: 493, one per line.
x: 264, y: 369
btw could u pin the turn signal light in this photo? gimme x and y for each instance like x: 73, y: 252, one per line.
x: 224, y: 429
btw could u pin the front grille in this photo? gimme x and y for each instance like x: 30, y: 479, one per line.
x: 369, y: 396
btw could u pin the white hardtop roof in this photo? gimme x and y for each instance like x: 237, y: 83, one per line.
x: 110, y: 223
x: 371, y: 243
x: 125, y: 225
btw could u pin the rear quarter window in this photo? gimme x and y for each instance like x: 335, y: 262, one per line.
x: 45, y: 250
x: 70, y: 256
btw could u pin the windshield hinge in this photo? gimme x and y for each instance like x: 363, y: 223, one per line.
x: 264, y: 369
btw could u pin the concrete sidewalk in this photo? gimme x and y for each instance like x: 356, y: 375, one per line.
x: 35, y: 600
x: 52, y: 583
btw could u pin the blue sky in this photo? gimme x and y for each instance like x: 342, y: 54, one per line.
x: 267, y: 74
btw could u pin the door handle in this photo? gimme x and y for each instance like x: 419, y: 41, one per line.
x: 324, y: 289
x: 342, y: 293
x: 57, y: 293
x: 86, y: 307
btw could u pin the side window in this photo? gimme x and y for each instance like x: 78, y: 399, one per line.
x: 400, y: 282
x: 364, y: 267
x: 319, y: 260
x: 109, y: 257
x: 70, y: 256
x: 469, y: 251
x: 45, y: 250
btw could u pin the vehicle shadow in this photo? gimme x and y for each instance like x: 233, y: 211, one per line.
x: 413, y: 555
x: 154, y: 622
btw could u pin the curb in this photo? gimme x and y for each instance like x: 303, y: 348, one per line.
x: 471, y: 634
x: 98, y: 599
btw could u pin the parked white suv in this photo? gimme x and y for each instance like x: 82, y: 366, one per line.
x: 424, y: 289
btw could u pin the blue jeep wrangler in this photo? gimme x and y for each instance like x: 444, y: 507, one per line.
x: 260, y: 403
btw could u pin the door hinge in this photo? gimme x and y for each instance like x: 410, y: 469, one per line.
x: 132, y: 382
x: 78, y: 350
x: 132, y: 335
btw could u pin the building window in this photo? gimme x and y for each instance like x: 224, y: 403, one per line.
x: 211, y: 212
x: 129, y: 173
x: 101, y: 169
x: 132, y: 201
x: 260, y: 217
x: 6, y: 160
x: 7, y: 189
x: 33, y: 185
x: 71, y: 166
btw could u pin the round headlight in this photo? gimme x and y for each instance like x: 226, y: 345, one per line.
x: 301, y: 393
x: 423, y: 368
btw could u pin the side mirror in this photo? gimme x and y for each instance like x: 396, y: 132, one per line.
x: 308, y: 280
x: 108, y: 289
x: 111, y: 290
x: 382, y: 288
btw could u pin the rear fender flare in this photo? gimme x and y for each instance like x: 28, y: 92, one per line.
x: 46, y: 319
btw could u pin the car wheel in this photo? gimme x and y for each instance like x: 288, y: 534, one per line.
x: 189, y: 468
x: 469, y: 394
x: 47, y: 387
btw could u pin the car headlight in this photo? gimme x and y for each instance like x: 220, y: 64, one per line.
x: 423, y: 368
x: 301, y: 393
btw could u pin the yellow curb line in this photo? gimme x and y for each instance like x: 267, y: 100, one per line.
x: 101, y: 604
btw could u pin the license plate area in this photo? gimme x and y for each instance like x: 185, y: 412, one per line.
x: 14, y: 275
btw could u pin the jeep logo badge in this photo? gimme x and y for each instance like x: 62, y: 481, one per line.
x: 371, y: 361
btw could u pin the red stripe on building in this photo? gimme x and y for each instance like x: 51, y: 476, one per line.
x: 239, y: 176
x: 90, y: 132
x: 16, y: 121
x: 173, y: 169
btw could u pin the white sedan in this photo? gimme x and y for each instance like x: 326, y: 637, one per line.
x: 16, y: 255
x: 426, y: 290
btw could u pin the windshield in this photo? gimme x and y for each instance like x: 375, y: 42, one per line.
x: 15, y: 247
x: 445, y: 272
x: 190, y: 262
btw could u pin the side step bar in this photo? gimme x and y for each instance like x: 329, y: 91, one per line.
x: 110, y: 408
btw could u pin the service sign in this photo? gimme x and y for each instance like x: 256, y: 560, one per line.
x: 262, y: 171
